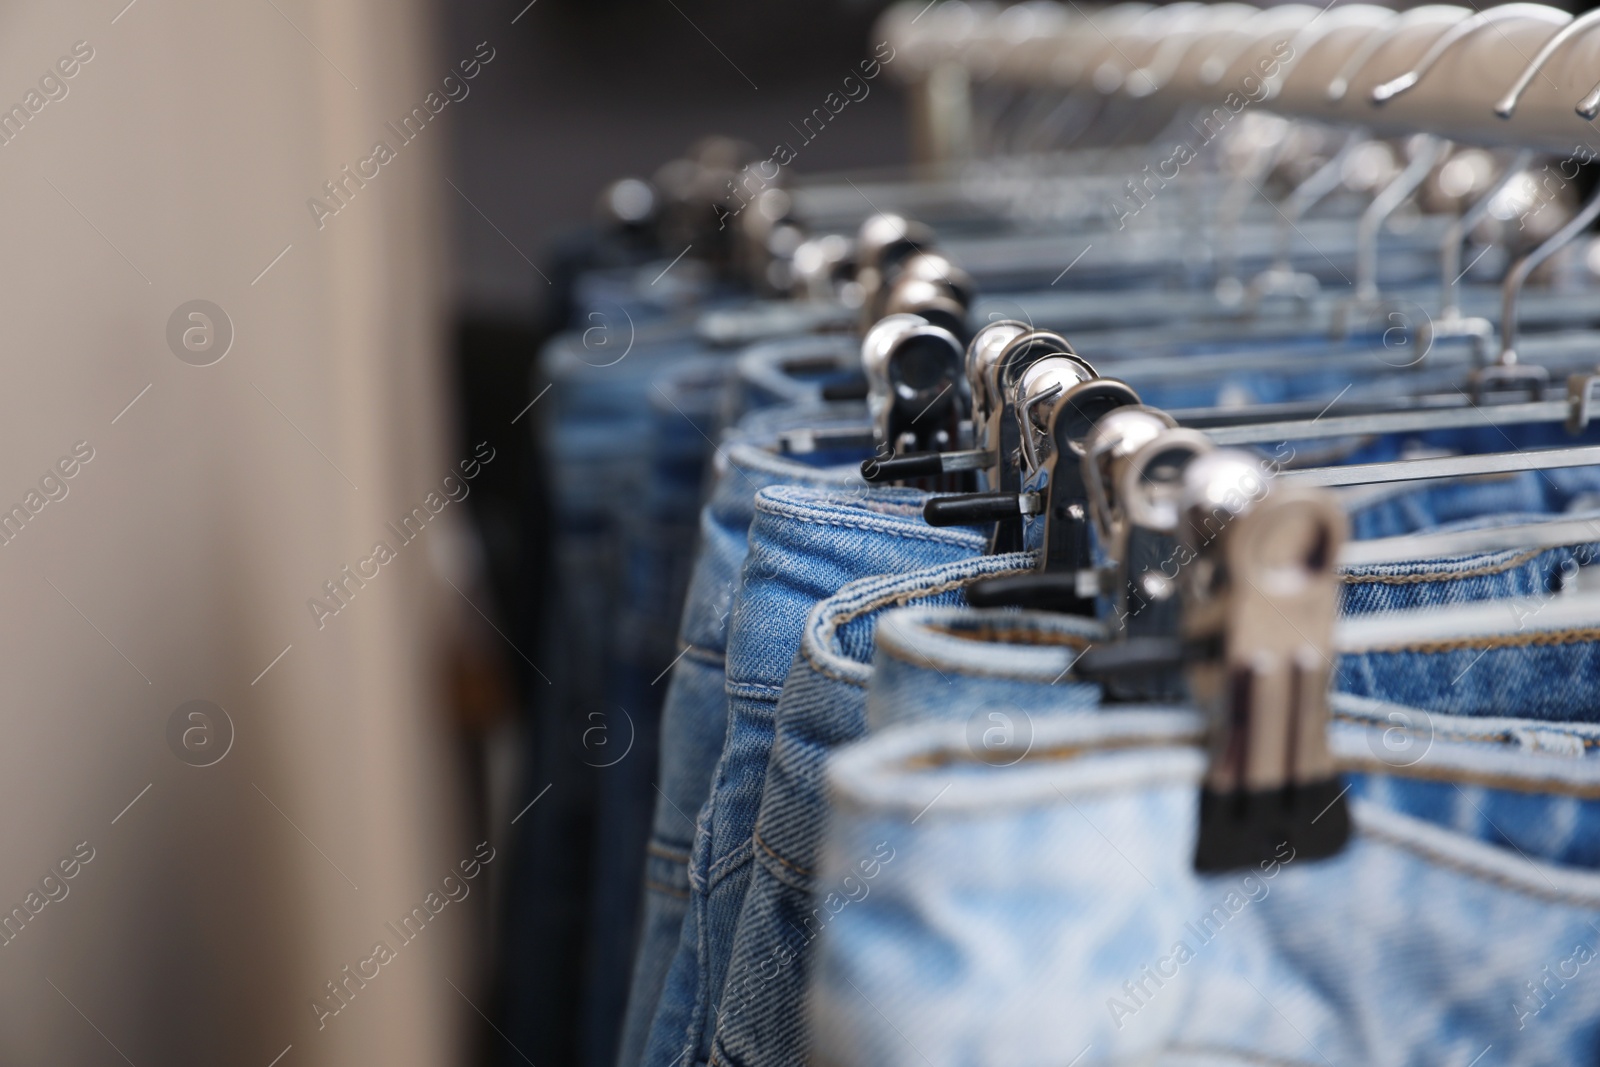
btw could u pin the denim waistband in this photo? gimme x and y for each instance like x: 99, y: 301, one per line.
x: 986, y: 667
x: 1429, y: 569
x: 792, y: 371
x: 1030, y: 913
x: 744, y: 467
x: 806, y: 543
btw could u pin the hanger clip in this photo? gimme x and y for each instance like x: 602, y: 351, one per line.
x: 1581, y: 401
x: 1508, y: 379
x: 1260, y: 598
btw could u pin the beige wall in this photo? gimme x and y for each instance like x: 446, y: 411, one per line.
x: 206, y: 922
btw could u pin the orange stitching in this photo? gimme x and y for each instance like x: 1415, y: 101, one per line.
x: 1522, y: 640
x: 795, y: 867
x: 1016, y: 636
x: 1441, y: 576
x: 902, y: 598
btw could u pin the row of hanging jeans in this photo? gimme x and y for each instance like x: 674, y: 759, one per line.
x: 1185, y: 657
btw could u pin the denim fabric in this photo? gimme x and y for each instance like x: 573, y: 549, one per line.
x: 1049, y: 911
x: 1534, y: 656
x: 1029, y: 909
x: 804, y: 544
x: 1391, y: 510
x: 823, y: 706
x: 694, y: 709
x: 1404, y: 580
x: 791, y: 372
x: 983, y: 678
x: 644, y: 295
x: 596, y: 424
x: 620, y: 741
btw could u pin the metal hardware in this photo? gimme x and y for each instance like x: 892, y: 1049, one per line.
x: 1416, y: 470
x: 1339, y: 87
x: 1426, y: 152
x: 1507, y: 105
x: 1281, y: 279
x: 1458, y: 33
x: 1260, y: 598
x: 1451, y: 323
x: 1517, y: 276
x: 1146, y: 549
x: 924, y: 465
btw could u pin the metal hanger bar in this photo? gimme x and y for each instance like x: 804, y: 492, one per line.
x: 1417, y: 470
x: 1300, y: 411
x: 1522, y: 536
x: 1462, y: 417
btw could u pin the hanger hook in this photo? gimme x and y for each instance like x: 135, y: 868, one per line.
x: 1170, y: 53
x: 1357, y: 62
x: 1450, y: 248
x: 1455, y: 35
x: 1508, y: 103
x: 1314, y: 31
x: 1383, y: 205
x: 1589, y: 106
x: 1511, y: 288
x: 1288, y: 20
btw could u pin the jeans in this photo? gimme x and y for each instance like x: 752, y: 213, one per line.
x: 1522, y: 573
x: 598, y: 428
x: 1034, y: 900
x: 823, y: 706
x: 1047, y: 911
x: 1395, y: 509
x: 792, y: 371
x: 620, y: 740
x: 804, y: 544
x: 694, y: 709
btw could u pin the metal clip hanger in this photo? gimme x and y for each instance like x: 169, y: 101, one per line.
x: 1416, y: 470
x: 1505, y: 366
x: 983, y: 352
x: 1029, y: 389
x: 1251, y: 633
x: 917, y: 395
x: 885, y: 241
x: 1281, y: 279
x: 1451, y: 322
x: 1444, y: 14
x: 1260, y: 598
x: 1134, y: 465
x: 1058, y: 409
x: 1507, y: 105
x: 917, y: 398
x: 930, y: 285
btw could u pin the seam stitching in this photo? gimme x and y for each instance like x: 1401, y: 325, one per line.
x: 1538, y: 638
x: 795, y: 867
x: 830, y: 626
x: 1423, y: 578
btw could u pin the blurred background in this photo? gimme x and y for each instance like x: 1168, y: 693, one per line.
x: 275, y: 549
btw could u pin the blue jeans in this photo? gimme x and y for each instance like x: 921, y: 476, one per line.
x: 1392, y: 510
x: 804, y: 544
x: 694, y: 709
x: 1033, y: 900
x: 823, y: 706
x: 792, y: 371
x: 598, y: 428
x: 620, y: 741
